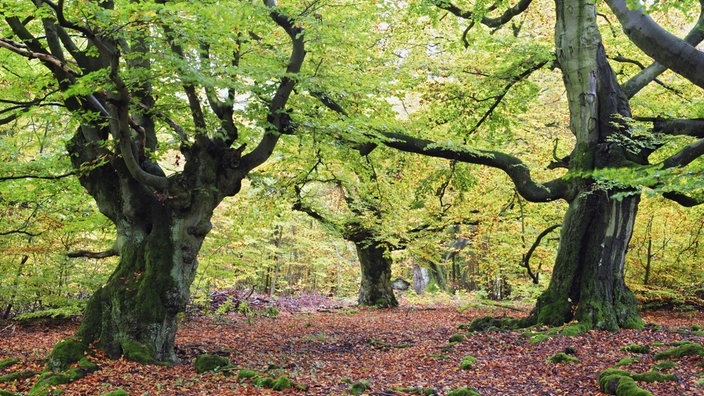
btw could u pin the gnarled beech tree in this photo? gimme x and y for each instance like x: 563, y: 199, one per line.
x: 130, y: 74
x: 587, y: 284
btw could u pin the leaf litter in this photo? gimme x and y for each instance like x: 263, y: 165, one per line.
x: 327, y: 345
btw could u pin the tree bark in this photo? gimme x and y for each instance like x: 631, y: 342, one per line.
x: 587, y: 283
x: 375, y: 288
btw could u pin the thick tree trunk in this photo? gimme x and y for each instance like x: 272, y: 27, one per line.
x: 375, y: 288
x: 134, y: 314
x: 588, y: 278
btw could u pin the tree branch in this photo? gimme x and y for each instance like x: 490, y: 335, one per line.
x: 93, y: 255
x: 501, y: 20
x: 667, y: 49
x: 650, y: 73
x: 525, y: 263
x: 279, y: 120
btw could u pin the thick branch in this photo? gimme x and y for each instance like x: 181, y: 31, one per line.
x: 667, y: 49
x: 650, y: 73
x: 279, y: 120
x: 677, y: 127
x: 512, y: 166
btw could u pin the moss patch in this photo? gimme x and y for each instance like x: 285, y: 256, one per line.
x: 17, y: 375
x: 490, y: 323
x: 209, y: 362
x: 8, y: 362
x: 65, y: 353
x: 633, y: 348
x: 244, y: 374
x: 627, y: 361
x: 118, y: 392
x: 357, y: 388
x: 138, y: 352
x: 463, y: 392
x: 281, y: 383
x: 623, y: 383
x: 457, y: 338
x: 467, y: 362
x: 685, y: 349
x: 562, y: 357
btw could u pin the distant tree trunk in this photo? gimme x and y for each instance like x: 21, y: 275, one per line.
x: 420, y: 278
x: 375, y: 288
x: 587, y: 284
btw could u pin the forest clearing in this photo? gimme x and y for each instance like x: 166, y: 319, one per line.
x: 325, y: 347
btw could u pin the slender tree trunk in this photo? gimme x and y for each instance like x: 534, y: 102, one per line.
x: 587, y: 284
x: 375, y: 288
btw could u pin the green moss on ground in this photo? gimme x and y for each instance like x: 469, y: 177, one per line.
x: 138, y: 352
x: 8, y: 393
x: 281, y: 383
x: 117, y: 392
x: 626, y: 361
x: 209, y: 362
x: 244, y: 374
x: 467, y: 362
x: 263, y: 382
x: 17, y: 375
x: 634, y: 348
x: 490, y: 323
x: 65, y: 353
x: 357, y: 388
x: 463, y: 392
x: 8, y: 362
x: 666, y: 365
x: 457, y: 338
x: 562, y: 357
x: 685, y: 349
x: 623, y: 383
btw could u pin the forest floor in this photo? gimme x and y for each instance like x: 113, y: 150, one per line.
x: 327, y: 345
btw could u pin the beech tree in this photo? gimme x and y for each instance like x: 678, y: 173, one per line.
x: 612, y: 158
x: 136, y: 77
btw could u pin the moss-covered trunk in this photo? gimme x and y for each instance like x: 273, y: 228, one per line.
x: 375, y: 288
x: 135, y: 313
x: 588, y: 278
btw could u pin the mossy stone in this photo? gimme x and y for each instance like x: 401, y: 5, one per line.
x: 281, y: 383
x: 467, y: 362
x: 210, y: 362
x: 65, y: 353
